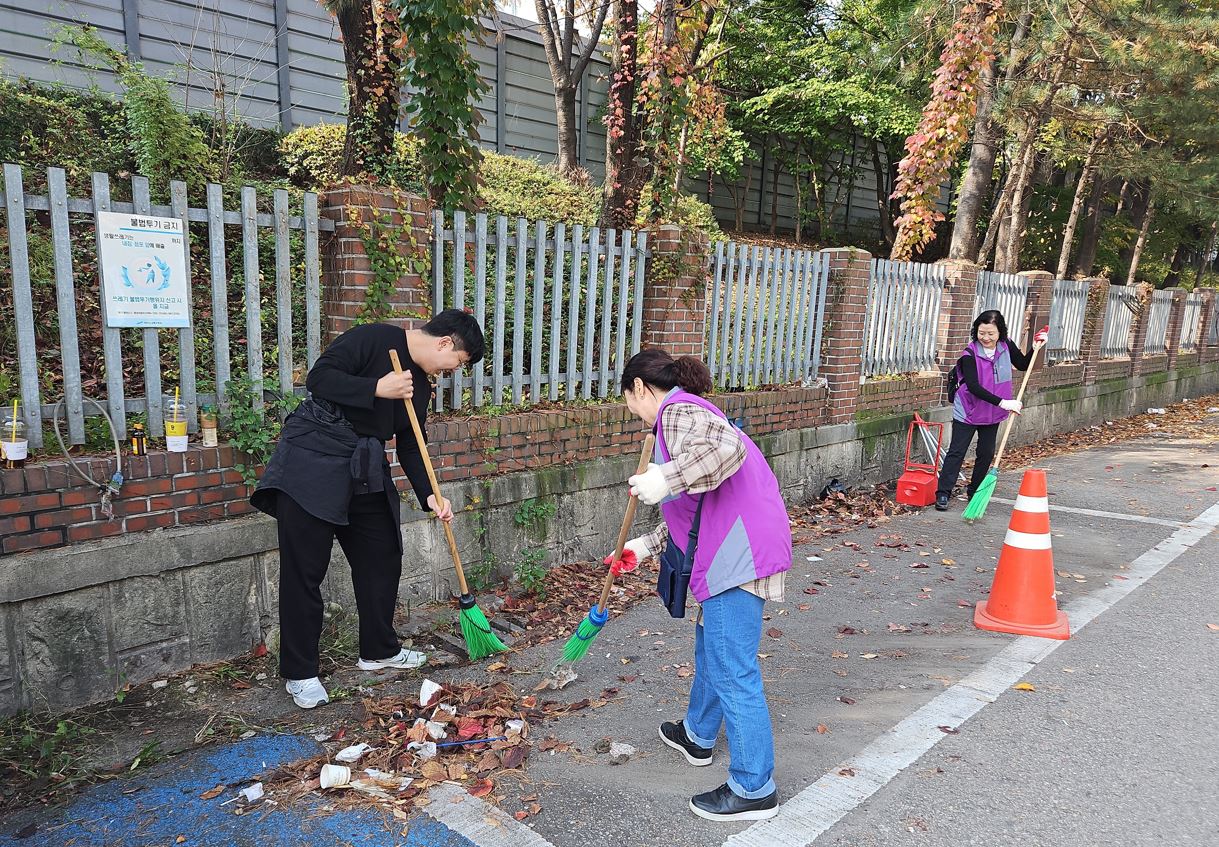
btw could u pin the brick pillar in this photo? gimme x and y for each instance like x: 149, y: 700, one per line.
x: 394, y: 217
x: 1037, y: 314
x: 1175, y: 318
x: 1139, y: 331
x: 846, y: 303
x: 1206, y: 352
x: 957, y: 310
x: 675, y: 291
x: 1094, y: 327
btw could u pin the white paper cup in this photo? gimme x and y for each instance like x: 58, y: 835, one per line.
x: 15, y: 451
x: 335, y: 776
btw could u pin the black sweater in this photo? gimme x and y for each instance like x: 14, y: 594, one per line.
x: 347, y: 374
x: 969, y: 372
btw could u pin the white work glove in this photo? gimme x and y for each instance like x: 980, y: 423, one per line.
x: 1013, y: 406
x: 1041, y: 337
x: 650, y: 486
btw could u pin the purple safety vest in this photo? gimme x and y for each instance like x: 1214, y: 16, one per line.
x: 744, y: 533
x: 994, y: 375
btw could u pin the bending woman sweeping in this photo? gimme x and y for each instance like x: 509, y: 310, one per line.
x: 744, y: 549
x: 983, y: 399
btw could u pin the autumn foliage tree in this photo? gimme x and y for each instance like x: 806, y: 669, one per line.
x: 945, y: 126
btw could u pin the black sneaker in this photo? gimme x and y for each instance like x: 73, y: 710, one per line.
x: 673, y: 733
x: 723, y: 804
x: 941, y: 502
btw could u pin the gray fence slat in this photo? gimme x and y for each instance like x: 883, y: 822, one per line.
x: 438, y: 286
x: 641, y: 252
x: 739, y: 296
x: 112, y: 351
x: 152, y: 343
x: 765, y: 284
x: 747, y: 345
x: 220, y: 293
x: 723, y: 363
x: 791, y: 365
x: 518, y: 315
x: 283, y: 290
x: 65, y: 301
x: 313, y: 282
x: 459, y: 294
x: 801, y: 355
x: 501, y: 288
x: 480, y: 297
x: 23, y: 304
x: 573, y: 307
x: 253, y: 291
x: 607, y: 312
x: 624, y: 290
x: 186, y: 335
x: 790, y: 315
x: 590, y: 313
x: 556, y: 310
x: 713, y: 331
x: 538, y: 293
x: 820, y: 291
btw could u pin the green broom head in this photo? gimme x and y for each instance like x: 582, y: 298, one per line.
x: 981, y: 499
x: 476, y: 630
x: 588, y: 630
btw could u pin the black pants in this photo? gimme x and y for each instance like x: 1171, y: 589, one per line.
x: 962, y: 434
x: 370, y: 542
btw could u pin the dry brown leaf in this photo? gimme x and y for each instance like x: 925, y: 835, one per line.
x: 774, y: 632
x: 1024, y: 686
x: 822, y: 729
x: 457, y: 770
x: 521, y: 815
x: 838, y: 654
x: 1214, y: 626
x: 481, y: 788
x: 212, y: 793
x: 434, y: 771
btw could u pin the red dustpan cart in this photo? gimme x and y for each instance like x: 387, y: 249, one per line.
x: 916, y: 486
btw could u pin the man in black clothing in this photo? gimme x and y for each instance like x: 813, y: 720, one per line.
x: 330, y: 478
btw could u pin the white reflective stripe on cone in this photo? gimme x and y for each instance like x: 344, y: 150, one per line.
x: 1027, y: 540
x: 1032, y: 504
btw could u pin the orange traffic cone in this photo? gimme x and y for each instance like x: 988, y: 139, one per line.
x: 1022, y: 594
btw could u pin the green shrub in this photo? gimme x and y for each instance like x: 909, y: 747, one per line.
x: 689, y: 212
x: 311, y: 156
x: 523, y: 187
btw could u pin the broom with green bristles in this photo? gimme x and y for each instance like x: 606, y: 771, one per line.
x: 981, y: 497
x: 475, y: 628
x: 591, y: 626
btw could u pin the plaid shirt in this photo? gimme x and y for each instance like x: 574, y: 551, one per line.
x: 705, y: 449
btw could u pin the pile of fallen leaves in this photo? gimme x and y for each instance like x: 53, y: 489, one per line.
x: 567, y: 594
x: 842, y: 511
x: 1198, y: 418
x: 474, y: 736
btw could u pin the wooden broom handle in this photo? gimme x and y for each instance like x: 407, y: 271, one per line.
x: 649, y: 444
x: 1011, y: 419
x: 431, y: 475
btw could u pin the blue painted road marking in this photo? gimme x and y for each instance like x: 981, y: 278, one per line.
x: 164, y: 803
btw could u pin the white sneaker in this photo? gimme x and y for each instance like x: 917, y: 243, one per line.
x: 405, y: 660
x: 307, y: 693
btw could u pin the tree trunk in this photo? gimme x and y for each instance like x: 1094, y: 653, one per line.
x: 1173, y: 277
x: 1142, y: 242
x: 1081, y: 192
x: 569, y: 136
x: 372, y: 88
x: 799, y: 197
x: 774, y: 198
x: 979, y: 175
x: 567, y: 62
x: 883, y: 191
x: 1090, y: 239
x: 1009, y: 260
x: 623, y: 174
x: 1139, y: 201
x: 1202, y: 259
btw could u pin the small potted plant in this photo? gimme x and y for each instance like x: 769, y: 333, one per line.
x: 208, y: 420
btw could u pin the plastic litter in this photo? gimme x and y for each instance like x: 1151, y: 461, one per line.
x: 428, y: 690
x: 352, y: 753
x: 252, y: 793
x: 335, y: 776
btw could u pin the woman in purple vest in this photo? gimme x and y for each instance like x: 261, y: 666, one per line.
x: 744, y: 550
x: 983, y: 399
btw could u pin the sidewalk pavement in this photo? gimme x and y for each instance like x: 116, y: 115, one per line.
x: 875, y: 640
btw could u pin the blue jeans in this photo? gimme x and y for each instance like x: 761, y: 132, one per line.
x: 728, y: 690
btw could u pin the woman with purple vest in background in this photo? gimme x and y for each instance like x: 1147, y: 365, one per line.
x: 744, y: 550
x: 983, y: 399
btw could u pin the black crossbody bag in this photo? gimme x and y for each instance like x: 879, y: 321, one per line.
x: 676, y: 566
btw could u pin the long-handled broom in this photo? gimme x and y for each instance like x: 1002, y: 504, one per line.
x: 591, y: 626
x: 475, y: 629
x: 981, y: 498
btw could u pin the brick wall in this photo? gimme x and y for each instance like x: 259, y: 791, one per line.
x: 1059, y: 376
x: 1112, y: 369
x: 901, y: 395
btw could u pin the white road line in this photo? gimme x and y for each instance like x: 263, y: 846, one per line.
x: 816, y: 809
x: 478, y: 820
x: 1117, y: 516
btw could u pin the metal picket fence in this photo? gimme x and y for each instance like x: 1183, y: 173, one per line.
x: 1067, y: 308
x: 902, y: 317
x: 1191, y: 323
x: 134, y: 360
x: 1008, y: 293
x: 1122, y: 305
x: 1157, y: 323
x: 766, y: 308
x: 1212, y: 336
x: 561, y: 307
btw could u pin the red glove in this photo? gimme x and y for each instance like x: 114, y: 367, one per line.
x: 626, y: 564
x: 1042, y: 335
